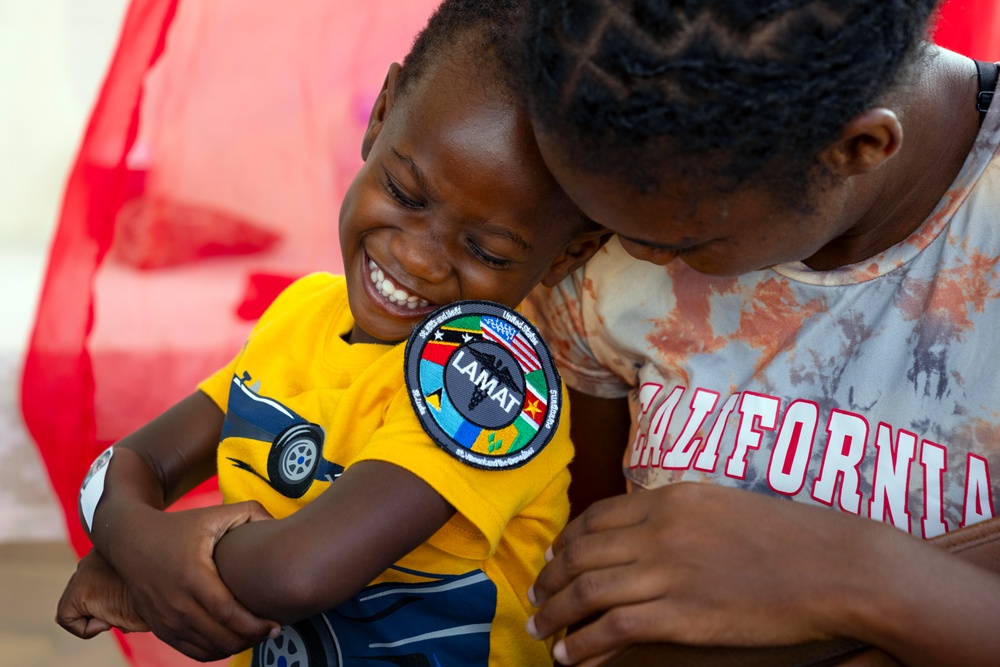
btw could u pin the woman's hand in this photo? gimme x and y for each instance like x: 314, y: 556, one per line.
x: 700, y: 564
x: 96, y: 599
x: 167, y: 563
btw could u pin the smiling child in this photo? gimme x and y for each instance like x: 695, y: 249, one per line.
x: 384, y: 545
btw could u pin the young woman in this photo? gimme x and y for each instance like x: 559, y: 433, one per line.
x: 829, y: 185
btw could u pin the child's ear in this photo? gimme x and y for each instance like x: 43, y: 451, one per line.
x: 865, y: 143
x: 581, y: 248
x: 380, y: 110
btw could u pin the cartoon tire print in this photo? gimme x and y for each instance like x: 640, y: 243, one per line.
x: 308, y: 643
x: 293, y: 459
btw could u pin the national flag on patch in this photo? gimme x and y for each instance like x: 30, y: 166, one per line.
x: 458, y: 335
x: 438, y: 352
x: 510, y: 338
x: 534, y: 406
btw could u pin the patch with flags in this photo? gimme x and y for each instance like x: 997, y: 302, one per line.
x: 483, y: 384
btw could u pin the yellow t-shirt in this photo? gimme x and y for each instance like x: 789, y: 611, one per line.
x: 302, y: 405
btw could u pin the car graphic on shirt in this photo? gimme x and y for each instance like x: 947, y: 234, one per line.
x: 442, y: 621
x: 419, y: 620
x: 295, y: 458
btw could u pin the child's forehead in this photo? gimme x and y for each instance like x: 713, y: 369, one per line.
x: 457, y: 109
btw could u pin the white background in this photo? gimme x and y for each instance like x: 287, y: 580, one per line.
x: 53, y: 57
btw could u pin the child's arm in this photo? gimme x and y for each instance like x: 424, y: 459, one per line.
x: 97, y: 599
x: 166, y: 557
x: 373, y: 515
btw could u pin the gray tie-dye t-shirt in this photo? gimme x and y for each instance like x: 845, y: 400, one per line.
x: 872, y: 388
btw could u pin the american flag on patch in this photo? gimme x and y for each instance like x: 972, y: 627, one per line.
x: 509, y: 337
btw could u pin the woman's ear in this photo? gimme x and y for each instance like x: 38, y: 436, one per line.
x: 580, y: 249
x: 380, y: 110
x: 865, y: 143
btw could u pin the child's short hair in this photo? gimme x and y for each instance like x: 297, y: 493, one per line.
x: 486, y: 24
x: 739, y: 85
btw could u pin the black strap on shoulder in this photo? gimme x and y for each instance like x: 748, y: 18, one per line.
x: 988, y: 73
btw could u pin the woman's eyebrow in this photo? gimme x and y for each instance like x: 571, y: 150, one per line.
x: 418, y: 174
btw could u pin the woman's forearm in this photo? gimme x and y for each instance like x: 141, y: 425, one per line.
x: 920, y: 603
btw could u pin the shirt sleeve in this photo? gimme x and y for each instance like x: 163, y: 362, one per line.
x: 566, y: 317
x: 485, y: 500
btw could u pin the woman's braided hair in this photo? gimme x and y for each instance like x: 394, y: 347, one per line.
x: 748, y: 88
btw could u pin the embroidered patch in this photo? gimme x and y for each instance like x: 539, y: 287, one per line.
x: 483, y: 384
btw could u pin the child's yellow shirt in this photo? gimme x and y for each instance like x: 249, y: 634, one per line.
x: 458, y: 599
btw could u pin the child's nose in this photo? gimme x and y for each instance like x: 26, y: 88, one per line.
x: 422, y: 255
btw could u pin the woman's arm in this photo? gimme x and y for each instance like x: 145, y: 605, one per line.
x: 702, y: 564
x: 599, y: 428
x: 373, y: 515
x: 166, y: 557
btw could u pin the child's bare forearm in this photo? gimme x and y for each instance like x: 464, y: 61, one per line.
x: 165, y: 558
x: 329, y: 550
x: 154, y: 466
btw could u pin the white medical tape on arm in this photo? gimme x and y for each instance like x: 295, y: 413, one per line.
x: 93, y: 486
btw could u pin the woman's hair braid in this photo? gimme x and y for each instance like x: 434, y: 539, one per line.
x: 743, y: 86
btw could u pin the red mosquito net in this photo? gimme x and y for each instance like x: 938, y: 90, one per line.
x: 209, y: 177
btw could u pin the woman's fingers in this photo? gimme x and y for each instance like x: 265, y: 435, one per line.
x: 689, y: 563
x: 591, y: 541
x: 598, y: 641
x: 593, y: 574
x: 608, y: 514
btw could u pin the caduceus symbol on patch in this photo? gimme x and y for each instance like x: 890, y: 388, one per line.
x: 500, y: 372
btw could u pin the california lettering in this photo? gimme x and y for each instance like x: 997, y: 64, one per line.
x: 789, y: 437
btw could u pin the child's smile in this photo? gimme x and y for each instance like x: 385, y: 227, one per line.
x: 453, y: 202
x: 392, y: 292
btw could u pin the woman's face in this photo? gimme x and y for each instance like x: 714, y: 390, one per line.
x: 721, y: 234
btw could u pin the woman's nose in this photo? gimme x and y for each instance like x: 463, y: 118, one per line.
x: 647, y: 253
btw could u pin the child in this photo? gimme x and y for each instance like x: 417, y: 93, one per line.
x: 823, y: 348
x: 385, y: 546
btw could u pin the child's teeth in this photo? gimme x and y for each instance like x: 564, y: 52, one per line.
x: 394, y: 294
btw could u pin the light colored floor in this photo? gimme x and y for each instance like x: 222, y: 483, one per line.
x: 35, y: 560
x: 57, y: 51
x: 32, y: 576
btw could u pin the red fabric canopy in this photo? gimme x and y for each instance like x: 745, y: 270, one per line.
x: 209, y: 176
x: 971, y: 27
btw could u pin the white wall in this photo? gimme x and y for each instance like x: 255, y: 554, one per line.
x: 53, y: 55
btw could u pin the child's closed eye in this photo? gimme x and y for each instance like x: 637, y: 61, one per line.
x: 487, y: 258
x: 397, y: 193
